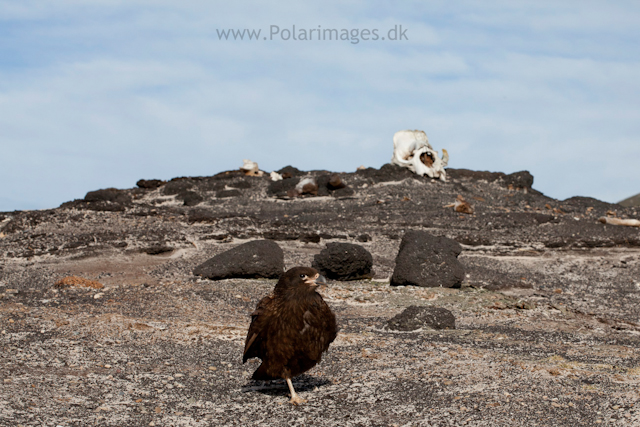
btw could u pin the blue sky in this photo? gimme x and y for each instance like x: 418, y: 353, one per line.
x: 101, y: 93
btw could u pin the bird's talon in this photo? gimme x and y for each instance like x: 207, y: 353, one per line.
x: 297, y: 400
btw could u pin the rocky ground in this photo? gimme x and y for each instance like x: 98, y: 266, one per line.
x: 547, y: 318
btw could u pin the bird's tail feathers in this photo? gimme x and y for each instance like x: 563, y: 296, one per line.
x: 261, y: 373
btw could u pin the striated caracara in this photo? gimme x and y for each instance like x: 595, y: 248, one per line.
x: 290, y: 328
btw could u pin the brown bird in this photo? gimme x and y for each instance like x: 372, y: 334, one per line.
x: 290, y: 328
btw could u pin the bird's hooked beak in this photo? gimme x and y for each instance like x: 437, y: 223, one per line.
x: 316, y: 281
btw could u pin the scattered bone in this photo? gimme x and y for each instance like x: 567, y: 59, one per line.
x: 618, y: 221
x: 554, y: 210
x: 275, y: 176
x: 79, y: 282
x: 251, y: 168
x: 461, y: 205
x: 411, y: 150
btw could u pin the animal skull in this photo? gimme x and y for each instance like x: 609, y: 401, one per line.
x: 411, y: 150
x: 250, y: 168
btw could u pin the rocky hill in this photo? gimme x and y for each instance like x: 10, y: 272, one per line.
x: 103, y: 321
x: 630, y: 202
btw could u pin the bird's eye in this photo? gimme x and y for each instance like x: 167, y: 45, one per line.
x: 303, y: 276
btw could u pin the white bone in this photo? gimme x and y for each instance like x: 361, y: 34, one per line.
x: 275, y: 176
x: 249, y: 165
x: 251, y: 168
x: 409, y: 145
x: 617, y: 221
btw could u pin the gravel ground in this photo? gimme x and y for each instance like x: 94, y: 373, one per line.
x: 547, y: 320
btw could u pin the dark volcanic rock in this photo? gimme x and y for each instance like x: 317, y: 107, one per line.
x: 427, y: 260
x: 243, y: 184
x: 310, y: 238
x: 522, y: 179
x: 191, y: 198
x: 177, y: 186
x: 228, y: 193
x: 183, y: 189
x: 414, y: 317
x: 335, y: 182
x: 282, y: 188
x: 260, y: 258
x: 333, y: 185
x: 344, y: 261
x: 290, y: 172
x: 157, y: 249
x: 363, y: 238
x: 388, y: 172
x: 202, y: 215
x: 150, y: 183
x: 108, y: 195
x: 237, y: 173
x: 109, y: 199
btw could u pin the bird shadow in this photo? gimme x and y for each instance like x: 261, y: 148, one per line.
x: 279, y: 387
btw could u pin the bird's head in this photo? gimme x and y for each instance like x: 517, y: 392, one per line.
x: 300, y: 279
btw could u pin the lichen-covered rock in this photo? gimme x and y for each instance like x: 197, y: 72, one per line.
x: 344, y: 261
x: 414, y: 317
x: 427, y: 260
x: 257, y: 259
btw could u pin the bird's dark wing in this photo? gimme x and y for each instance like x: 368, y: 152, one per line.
x: 259, y: 321
x: 320, y: 329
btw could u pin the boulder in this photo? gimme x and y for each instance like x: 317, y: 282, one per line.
x: 428, y: 261
x: 290, y: 172
x: 283, y: 188
x: 256, y: 259
x: 108, y: 199
x: 150, y: 183
x: 415, y: 317
x: 112, y: 195
x: 335, y: 182
x: 190, y: 198
x: 344, y: 261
